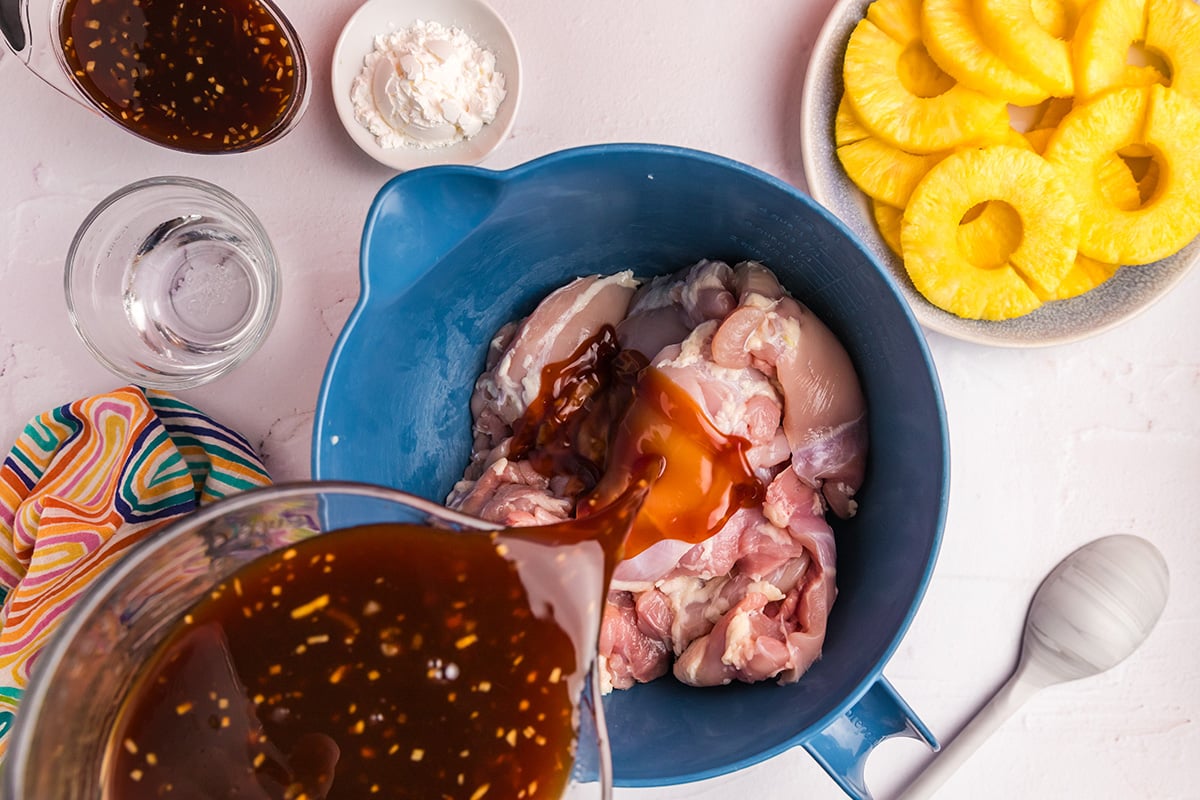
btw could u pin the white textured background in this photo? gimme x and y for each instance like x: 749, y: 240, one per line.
x: 1050, y: 447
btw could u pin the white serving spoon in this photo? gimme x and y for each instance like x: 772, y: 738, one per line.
x: 1093, y: 609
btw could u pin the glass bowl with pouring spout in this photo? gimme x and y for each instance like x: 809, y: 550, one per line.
x: 91, y: 723
x: 138, y: 64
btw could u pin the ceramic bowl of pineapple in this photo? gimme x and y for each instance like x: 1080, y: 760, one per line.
x: 1023, y: 186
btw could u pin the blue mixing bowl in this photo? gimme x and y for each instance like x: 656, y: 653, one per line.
x: 449, y: 254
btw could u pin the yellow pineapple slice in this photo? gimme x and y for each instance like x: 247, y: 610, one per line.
x: 1053, y: 111
x: 989, y: 234
x: 1085, y: 275
x: 1022, y: 42
x: 952, y: 37
x: 989, y: 240
x: 920, y: 74
x: 1117, y: 184
x: 846, y: 127
x: 1163, y: 120
x: 1172, y: 121
x: 1117, y: 180
x: 1058, y: 17
x: 1106, y: 31
x: 1046, y: 118
x: 1147, y: 179
x: 1038, y: 138
x: 883, y: 172
x: 1027, y: 183
x: 875, y: 88
x: 887, y: 219
x: 898, y: 19
x: 1173, y: 32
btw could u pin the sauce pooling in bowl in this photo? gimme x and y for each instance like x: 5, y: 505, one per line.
x: 602, y: 412
x: 219, y: 76
x: 386, y: 660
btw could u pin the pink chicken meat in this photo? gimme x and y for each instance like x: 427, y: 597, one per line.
x: 739, y: 589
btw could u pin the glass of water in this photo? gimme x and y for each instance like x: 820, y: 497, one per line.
x: 171, y: 282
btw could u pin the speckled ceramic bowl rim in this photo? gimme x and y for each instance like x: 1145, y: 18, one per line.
x: 1128, y: 293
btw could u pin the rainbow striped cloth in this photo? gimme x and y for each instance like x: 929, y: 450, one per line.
x: 85, y: 482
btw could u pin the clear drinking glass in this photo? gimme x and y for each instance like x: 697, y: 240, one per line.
x: 171, y: 282
x: 61, y: 743
x: 34, y: 30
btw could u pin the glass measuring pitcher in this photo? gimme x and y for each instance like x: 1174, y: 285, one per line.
x: 218, y: 77
x: 79, y: 734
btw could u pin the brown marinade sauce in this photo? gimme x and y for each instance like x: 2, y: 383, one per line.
x: 197, y: 75
x: 390, y: 661
x: 602, y: 412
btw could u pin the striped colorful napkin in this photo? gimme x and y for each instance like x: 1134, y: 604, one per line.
x: 83, y: 483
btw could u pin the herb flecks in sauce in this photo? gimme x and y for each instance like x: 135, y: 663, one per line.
x: 198, y: 75
x: 381, y: 661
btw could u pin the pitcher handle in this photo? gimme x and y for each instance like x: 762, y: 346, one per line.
x: 842, y: 746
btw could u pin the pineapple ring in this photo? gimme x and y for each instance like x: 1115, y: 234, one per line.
x: 1025, y: 44
x: 898, y: 19
x: 1028, y: 183
x: 1085, y: 275
x: 887, y: 220
x: 920, y: 74
x: 1055, y: 110
x: 1059, y: 17
x: 846, y: 127
x: 892, y: 111
x: 954, y: 42
x: 1089, y: 137
x: 1100, y: 48
x: 1173, y: 30
x: 1038, y: 138
x: 987, y: 235
x: 1148, y: 182
x: 1117, y: 185
x: 883, y: 172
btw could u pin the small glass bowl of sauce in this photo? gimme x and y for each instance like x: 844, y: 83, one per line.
x: 223, y: 76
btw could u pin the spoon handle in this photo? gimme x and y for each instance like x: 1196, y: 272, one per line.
x: 1007, y: 700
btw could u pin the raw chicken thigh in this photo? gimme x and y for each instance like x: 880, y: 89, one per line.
x: 757, y: 410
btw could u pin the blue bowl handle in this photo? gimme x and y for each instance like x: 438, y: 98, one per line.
x: 417, y: 219
x: 842, y: 746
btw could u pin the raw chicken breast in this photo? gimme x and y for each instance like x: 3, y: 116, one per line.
x: 742, y: 389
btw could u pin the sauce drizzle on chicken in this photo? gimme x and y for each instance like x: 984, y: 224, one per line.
x: 602, y: 412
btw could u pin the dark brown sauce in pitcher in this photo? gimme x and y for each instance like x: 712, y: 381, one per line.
x: 197, y: 75
x: 390, y: 660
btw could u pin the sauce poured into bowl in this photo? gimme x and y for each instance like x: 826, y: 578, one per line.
x: 602, y: 413
x: 386, y: 660
x: 205, y: 77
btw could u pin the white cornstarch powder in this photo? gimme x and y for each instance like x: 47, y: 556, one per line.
x: 426, y: 86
